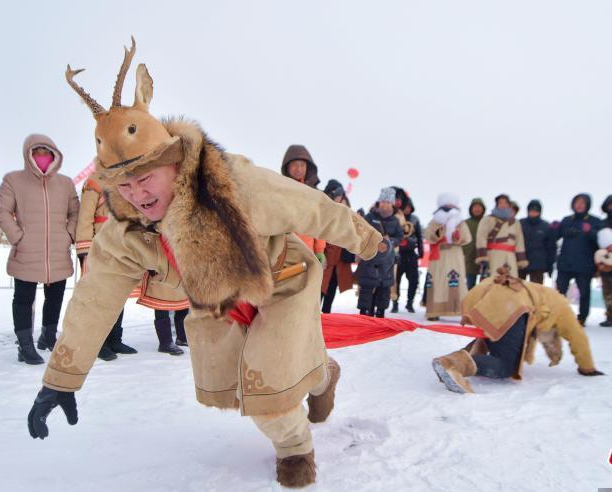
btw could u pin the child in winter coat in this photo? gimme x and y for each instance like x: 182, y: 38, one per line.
x: 376, y: 275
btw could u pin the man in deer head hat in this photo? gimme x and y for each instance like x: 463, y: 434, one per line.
x: 219, y: 226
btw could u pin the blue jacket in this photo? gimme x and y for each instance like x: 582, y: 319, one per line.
x: 388, y: 226
x: 378, y: 272
x: 540, y: 244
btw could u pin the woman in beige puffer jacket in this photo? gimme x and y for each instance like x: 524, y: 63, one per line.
x: 38, y: 213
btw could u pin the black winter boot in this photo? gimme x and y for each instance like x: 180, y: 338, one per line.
x: 179, y: 327
x: 114, y: 342
x: 606, y: 324
x: 26, y: 351
x: 409, y: 307
x: 47, y: 338
x: 106, y: 353
x: 395, y: 308
x: 380, y: 313
x: 163, y: 328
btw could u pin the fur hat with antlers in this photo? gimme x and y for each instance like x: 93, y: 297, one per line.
x: 129, y: 140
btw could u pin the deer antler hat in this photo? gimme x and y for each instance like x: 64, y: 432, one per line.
x: 129, y: 140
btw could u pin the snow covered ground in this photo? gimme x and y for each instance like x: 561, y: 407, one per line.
x: 395, y: 427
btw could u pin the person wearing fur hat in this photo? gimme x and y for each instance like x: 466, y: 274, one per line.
x: 576, y: 259
x: 446, y: 233
x: 338, y: 273
x: 298, y: 165
x: 222, y: 229
x: 376, y: 276
x: 38, y: 212
x: 499, y: 240
x: 472, y: 270
x: 513, y: 313
x: 606, y: 276
x: 410, y: 252
x: 540, y: 244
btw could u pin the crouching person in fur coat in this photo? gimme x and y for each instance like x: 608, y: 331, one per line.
x: 218, y: 226
x: 513, y: 313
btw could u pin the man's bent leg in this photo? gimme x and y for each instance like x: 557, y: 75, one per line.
x: 288, y: 431
x: 504, y: 354
x: 290, y: 434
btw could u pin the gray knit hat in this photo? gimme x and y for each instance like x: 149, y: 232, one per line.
x: 387, y: 195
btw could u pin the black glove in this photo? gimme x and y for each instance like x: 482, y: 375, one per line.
x: 46, y: 400
x: 594, y: 372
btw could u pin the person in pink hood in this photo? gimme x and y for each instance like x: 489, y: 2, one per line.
x: 38, y: 212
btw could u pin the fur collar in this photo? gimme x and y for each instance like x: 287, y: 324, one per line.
x: 219, y: 253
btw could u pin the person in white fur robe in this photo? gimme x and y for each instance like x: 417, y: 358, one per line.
x: 446, y: 281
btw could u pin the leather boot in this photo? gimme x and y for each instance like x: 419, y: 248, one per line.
x: 26, y: 351
x: 452, y: 369
x: 47, y: 338
x: 163, y: 328
x: 395, y: 307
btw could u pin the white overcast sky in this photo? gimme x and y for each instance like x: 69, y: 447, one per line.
x: 474, y: 97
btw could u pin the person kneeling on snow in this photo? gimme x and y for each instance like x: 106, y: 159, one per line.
x: 220, y: 227
x: 512, y: 313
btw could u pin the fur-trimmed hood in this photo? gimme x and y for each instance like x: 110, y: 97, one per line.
x: 218, y: 252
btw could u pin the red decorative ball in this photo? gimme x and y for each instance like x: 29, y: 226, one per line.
x: 352, y: 173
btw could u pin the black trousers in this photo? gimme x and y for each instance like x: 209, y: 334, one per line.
x: 116, y: 334
x: 23, y: 303
x: 373, y: 298
x: 410, y: 267
x: 328, y: 298
x: 505, y: 354
x: 179, y: 320
x: 583, y: 282
x: 536, y: 276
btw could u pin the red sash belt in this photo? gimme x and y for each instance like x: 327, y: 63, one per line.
x: 502, y: 247
x: 100, y: 219
x: 434, y: 250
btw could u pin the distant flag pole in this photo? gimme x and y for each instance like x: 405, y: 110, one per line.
x: 85, y: 173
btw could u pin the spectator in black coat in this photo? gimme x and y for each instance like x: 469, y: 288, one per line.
x: 410, y: 251
x: 576, y: 260
x: 540, y: 244
x: 606, y: 277
x: 376, y: 275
